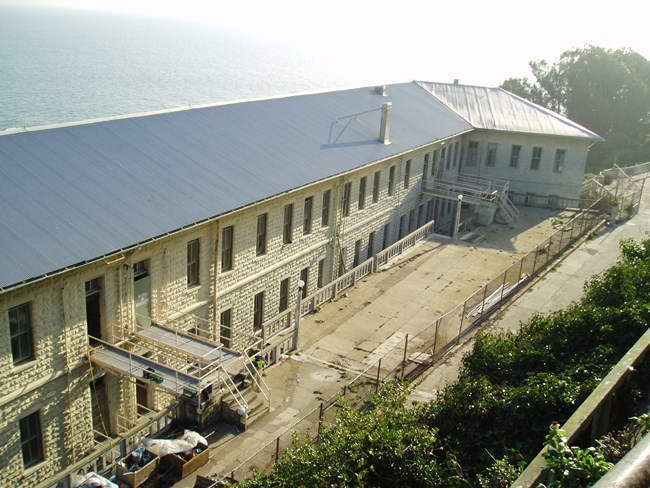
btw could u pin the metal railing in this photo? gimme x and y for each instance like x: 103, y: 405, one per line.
x: 103, y: 459
x: 284, y: 321
x: 412, y: 355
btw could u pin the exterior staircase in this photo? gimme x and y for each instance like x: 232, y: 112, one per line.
x: 506, y: 213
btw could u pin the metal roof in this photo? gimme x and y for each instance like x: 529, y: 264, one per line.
x: 498, y: 109
x: 75, y: 193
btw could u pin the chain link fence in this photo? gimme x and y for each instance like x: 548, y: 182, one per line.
x: 413, y: 355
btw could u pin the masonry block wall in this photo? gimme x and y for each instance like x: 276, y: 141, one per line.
x: 367, y: 209
x: 540, y: 177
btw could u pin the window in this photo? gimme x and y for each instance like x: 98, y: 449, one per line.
x: 362, y: 193
x: 260, y: 245
x: 304, y: 276
x: 284, y: 294
x: 357, y: 253
x: 537, y: 157
x: 325, y: 214
x: 31, y: 441
x: 321, y: 273
x: 425, y: 167
x: 385, y: 240
x: 402, y: 226
x: 456, y: 153
x: 558, y: 165
x: 225, y: 329
x: 391, y: 180
x: 407, y: 174
x: 227, y: 235
x: 258, y: 311
x: 371, y: 245
x: 434, y: 160
x: 347, y: 190
x: 491, y: 154
x: 306, y: 222
x: 287, y: 226
x: 20, y: 325
x: 375, y: 187
x: 193, y: 263
x: 342, y: 258
x: 514, y: 156
x: 472, y: 153
x: 443, y: 157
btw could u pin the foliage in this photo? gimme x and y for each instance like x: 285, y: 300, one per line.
x: 384, y: 446
x: 627, y: 282
x: 503, y: 473
x: 615, y: 445
x: 571, y: 466
x: 510, y: 387
x: 606, y: 90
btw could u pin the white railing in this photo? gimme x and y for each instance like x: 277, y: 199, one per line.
x: 103, y: 459
x: 284, y: 321
x: 390, y: 252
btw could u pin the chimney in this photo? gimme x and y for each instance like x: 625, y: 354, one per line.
x: 384, y: 130
x: 381, y: 90
x: 455, y: 81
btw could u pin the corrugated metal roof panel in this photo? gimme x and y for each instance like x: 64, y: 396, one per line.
x: 75, y: 193
x: 498, y: 109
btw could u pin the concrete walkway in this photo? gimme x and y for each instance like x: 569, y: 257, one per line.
x: 347, y: 335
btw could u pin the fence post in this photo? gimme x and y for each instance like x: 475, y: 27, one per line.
x: 435, y: 337
x: 462, y: 319
x: 548, y: 249
x: 521, y: 269
x: 320, y: 423
x: 561, y: 235
x: 406, y: 345
x: 483, y: 302
x: 277, y: 448
x: 535, y: 260
x: 378, y: 372
x: 503, y: 286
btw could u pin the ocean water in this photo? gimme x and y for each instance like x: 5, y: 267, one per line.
x: 60, y: 66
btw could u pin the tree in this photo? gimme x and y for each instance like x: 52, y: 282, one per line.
x: 605, y: 90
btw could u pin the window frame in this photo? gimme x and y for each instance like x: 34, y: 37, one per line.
x: 491, y: 156
x: 536, y: 158
x: 283, y: 301
x: 22, y: 334
x: 515, y: 153
x: 376, y: 186
x: 258, y: 311
x: 347, y: 194
x: 362, y: 193
x: 307, y: 216
x: 287, y: 224
x: 31, y: 439
x: 325, y: 208
x: 260, y: 240
x: 225, y: 324
x: 407, y: 173
x: 472, y: 153
x: 304, y: 276
x: 227, y: 247
x: 391, y: 180
x: 559, y: 160
x: 193, y: 263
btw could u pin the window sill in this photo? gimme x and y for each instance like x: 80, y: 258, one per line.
x: 24, y: 366
x: 34, y: 469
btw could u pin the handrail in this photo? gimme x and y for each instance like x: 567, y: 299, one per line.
x: 590, y: 408
x: 122, y: 441
x: 335, y: 287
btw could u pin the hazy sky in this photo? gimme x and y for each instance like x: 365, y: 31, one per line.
x: 480, y: 42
